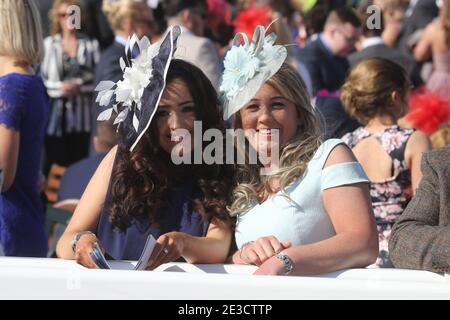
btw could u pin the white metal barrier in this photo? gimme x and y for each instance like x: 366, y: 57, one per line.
x: 28, y: 278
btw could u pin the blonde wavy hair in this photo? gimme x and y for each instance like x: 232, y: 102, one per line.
x: 117, y: 11
x: 294, y: 157
x: 21, y: 31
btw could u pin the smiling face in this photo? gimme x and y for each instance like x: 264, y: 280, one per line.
x: 175, y: 115
x: 269, y: 110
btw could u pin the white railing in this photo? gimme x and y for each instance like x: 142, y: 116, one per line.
x: 28, y: 278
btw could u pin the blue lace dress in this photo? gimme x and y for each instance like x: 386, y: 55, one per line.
x: 24, y: 108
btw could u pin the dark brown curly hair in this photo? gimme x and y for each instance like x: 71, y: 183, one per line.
x: 142, y: 179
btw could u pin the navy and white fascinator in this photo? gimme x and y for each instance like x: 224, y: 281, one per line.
x: 135, y: 98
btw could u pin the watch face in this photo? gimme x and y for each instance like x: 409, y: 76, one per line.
x: 287, y: 263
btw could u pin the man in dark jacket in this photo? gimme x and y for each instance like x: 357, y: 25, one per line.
x: 326, y: 57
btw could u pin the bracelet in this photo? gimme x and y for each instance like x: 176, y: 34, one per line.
x: 242, y: 248
x: 77, y: 237
x: 287, y: 262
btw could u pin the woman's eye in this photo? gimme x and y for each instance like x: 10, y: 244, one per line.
x: 252, y: 107
x: 278, y: 105
x: 188, y: 108
x: 161, y: 113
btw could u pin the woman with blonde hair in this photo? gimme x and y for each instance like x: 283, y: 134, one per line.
x: 309, y: 212
x: 435, y: 43
x: 23, y: 115
x: 68, y: 72
x: 376, y: 94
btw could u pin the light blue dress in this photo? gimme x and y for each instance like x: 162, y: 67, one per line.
x: 303, y: 220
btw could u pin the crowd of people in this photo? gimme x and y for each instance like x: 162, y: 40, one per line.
x: 350, y: 101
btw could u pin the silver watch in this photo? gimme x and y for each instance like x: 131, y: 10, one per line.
x: 77, y: 237
x: 287, y: 262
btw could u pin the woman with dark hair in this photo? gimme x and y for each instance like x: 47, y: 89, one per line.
x: 182, y: 206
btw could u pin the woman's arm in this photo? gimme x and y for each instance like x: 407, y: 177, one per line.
x: 422, y: 51
x: 87, y: 213
x: 390, y: 33
x: 418, y: 144
x: 356, y: 241
x: 213, y: 248
x: 9, y: 154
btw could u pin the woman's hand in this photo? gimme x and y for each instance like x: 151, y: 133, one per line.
x: 271, y: 267
x: 262, y: 249
x: 70, y: 88
x: 83, y: 249
x: 169, y: 247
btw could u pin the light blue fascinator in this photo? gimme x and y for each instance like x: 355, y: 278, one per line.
x: 247, y: 67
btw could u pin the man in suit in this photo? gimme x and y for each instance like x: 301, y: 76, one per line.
x: 421, y: 237
x: 192, y: 46
x: 326, y: 57
x: 373, y: 45
x: 137, y: 19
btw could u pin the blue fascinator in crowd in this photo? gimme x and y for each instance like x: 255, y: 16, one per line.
x: 136, y: 97
x: 247, y: 67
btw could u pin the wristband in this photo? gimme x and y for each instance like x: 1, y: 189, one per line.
x: 77, y: 237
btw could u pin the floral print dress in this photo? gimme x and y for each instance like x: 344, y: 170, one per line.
x: 389, y: 197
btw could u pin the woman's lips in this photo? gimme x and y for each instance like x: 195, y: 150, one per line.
x: 178, y: 137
